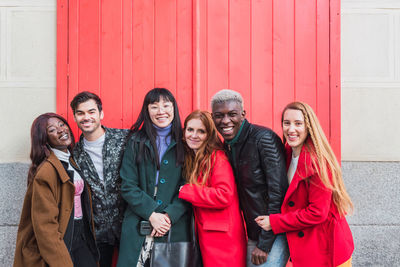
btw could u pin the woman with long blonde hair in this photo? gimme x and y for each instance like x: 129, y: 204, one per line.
x: 212, y: 191
x: 315, y: 205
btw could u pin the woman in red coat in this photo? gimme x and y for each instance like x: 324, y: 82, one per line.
x: 212, y: 191
x: 315, y: 205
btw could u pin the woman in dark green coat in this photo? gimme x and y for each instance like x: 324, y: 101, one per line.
x: 151, y: 178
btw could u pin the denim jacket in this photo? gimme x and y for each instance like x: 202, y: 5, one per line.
x: 108, y: 205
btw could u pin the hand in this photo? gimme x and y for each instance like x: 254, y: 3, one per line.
x: 160, y: 222
x: 263, y: 222
x: 154, y: 233
x: 258, y: 256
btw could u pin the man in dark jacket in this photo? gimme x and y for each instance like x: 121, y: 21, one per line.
x: 257, y: 157
x: 99, y: 154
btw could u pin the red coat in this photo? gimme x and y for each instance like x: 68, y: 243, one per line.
x: 317, y: 234
x: 219, y: 223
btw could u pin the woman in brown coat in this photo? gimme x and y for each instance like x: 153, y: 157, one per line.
x: 56, y: 222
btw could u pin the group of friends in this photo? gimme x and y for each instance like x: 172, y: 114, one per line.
x: 256, y: 201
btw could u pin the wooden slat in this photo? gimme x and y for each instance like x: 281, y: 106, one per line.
x: 335, y: 113
x: 89, y: 49
x: 62, y: 58
x: 111, y: 62
x: 262, y: 62
x: 323, y: 96
x: 165, y: 44
x: 200, y: 53
x: 73, y: 60
x: 143, y: 52
x: 184, y: 57
x: 305, y: 51
x: 127, y: 64
x: 283, y: 58
x: 217, y: 48
x: 239, y: 51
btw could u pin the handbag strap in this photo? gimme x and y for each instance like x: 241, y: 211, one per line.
x: 192, y: 230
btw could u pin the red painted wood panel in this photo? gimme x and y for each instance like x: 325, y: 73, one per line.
x: 217, y: 36
x: 271, y: 51
x: 239, y: 51
x: 283, y: 58
x: 334, y: 88
x: 73, y: 59
x: 305, y: 51
x: 143, y: 52
x: 261, y: 61
x: 127, y: 63
x: 184, y: 60
x: 62, y: 57
x: 165, y: 44
x: 322, y: 61
x: 111, y: 61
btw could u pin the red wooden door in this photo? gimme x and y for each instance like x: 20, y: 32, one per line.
x: 272, y: 51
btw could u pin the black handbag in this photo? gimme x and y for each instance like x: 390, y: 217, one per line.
x: 176, y: 254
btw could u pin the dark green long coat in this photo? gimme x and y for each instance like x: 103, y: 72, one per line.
x: 137, y: 189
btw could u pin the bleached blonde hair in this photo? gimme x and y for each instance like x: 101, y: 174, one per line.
x: 227, y: 95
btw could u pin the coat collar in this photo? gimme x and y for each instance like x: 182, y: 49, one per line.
x: 52, y: 158
x: 304, y: 168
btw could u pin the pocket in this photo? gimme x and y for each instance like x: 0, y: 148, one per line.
x: 211, y: 225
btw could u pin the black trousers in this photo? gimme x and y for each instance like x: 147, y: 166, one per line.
x: 80, y: 253
x: 106, y: 254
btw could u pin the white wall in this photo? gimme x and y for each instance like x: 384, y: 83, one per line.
x: 370, y: 80
x: 27, y: 71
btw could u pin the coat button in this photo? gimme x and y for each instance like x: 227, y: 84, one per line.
x: 291, y: 203
x: 165, y: 162
x: 162, y: 180
x: 159, y: 202
x: 301, y: 234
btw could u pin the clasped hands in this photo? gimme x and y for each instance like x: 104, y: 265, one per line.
x: 161, y: 224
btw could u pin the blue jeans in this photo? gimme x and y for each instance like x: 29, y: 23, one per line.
x: 277, y: 257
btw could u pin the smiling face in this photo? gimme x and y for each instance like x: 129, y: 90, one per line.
x: 58, y: 134
x: 294, y: 129
x: 88, y: 118
x: 228, y: 117
x: 195, y: 134
x: 161, y: 113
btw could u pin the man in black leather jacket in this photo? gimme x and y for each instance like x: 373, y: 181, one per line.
x: 257, y: 157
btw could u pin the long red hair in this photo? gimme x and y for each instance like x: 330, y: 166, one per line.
x: 197, y: 166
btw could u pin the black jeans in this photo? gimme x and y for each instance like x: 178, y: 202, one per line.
x: 80, y: 253
x: 106, y: 254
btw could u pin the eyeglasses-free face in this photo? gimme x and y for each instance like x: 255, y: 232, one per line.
x: 88, y: 118
x: 228, y: 117
x: 58, y: 134
x: 195, y: 134
x: 294, y: 129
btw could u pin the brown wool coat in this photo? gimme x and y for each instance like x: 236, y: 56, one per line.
x: 45, y: 214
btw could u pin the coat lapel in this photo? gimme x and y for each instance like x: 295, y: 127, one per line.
x: 58, y: 166
x: 304, y: 168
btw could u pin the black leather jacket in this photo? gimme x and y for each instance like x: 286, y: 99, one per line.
x: 258, y: 161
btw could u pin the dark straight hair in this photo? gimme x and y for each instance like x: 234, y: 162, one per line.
x: 39, y: 145
x: 144, y: 129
